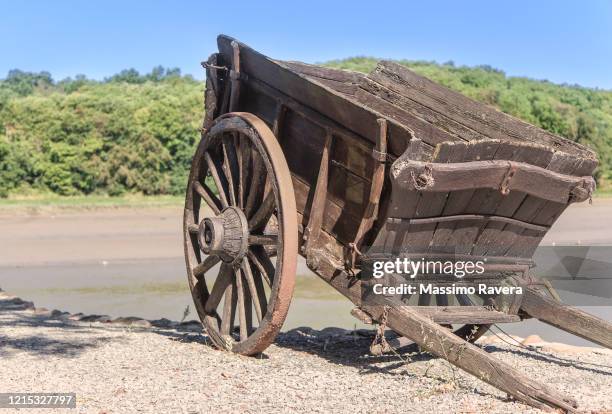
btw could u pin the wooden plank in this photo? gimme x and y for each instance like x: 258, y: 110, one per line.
x: 322, y: 99
x: 419, y: 235
x: 567, y: 318
x: 464, y: 233
x: 337, y: 221
x: 425, y: 121
x: 480, y: 217
x: 531, y: 208
x: 321, y: 72
x: 317, y: 208
x: 342, y: 81
x: 507, y: 204
x: 423, y: 129
x: 465, y: 314
x: 441, y: 239
x: 475, y: 115
x: 527, y: 178
x: 378, y: 178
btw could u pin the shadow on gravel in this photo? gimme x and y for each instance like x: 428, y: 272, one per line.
x: 552, y: 359
x: 41, y: 344
x: 351, y: 348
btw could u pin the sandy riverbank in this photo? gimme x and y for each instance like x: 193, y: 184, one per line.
x: 129, y: 261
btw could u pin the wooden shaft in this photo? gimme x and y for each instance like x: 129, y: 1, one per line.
x: 495, y: 174
x: 444, y: 344
x: 567, y: 318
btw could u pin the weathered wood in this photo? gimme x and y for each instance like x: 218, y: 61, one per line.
x: 337, y: 221
x: 532, y: 207
x: 443, y: 343
x: 277, y: 126
x: 429, y: 125
x: 317, y: 208
x: 484, y: 119
x: 465, y: 314
x: 526, y: 178
x: 341, y: 81
x: 496, y: 238
x: 361, y: 316
x: 478, y: 217
x: 320, y: 72
x: 320, y: 98
x: 371, y: 211
x: 425, y: 131
x: 235, y: 77
x: 469, y: 200
x: 567, y: 318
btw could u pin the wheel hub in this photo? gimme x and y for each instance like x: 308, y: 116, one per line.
x: 225, y: 235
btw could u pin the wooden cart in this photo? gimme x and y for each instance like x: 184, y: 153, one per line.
x: 344, y: 169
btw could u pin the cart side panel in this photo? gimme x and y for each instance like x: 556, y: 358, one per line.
x: 302, y: 140
x: 349, y: 114
x: 475, y: 217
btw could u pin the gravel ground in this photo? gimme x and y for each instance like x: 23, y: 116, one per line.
x: 131, y: 365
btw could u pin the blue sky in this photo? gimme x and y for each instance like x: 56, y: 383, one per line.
x: 564, y: 42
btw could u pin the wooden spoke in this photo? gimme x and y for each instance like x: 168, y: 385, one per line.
x: 205, y: 266
x: 248, y: 307
x: 208, y: 196
x: 259, y: 287
x: 441, y: 300
x: 257, y: 184
x: 424, y: 299
x: 257, y: 303
x: 464, y: 300
x: 224, y: 279
x: 218, y: 178
x: 263, y: 213
x: 229, y: 309
x: 231, y: 169
x: 241, y: 305
x: 263, y: 264
x: 193, y: 228
x: 244, y: 157
x: 263, y: 239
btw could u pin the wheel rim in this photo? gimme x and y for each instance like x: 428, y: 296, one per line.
x: 250, y: 237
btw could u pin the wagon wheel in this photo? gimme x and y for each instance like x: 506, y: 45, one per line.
x: 249, y: 235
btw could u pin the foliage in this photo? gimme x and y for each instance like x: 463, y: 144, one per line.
x: 136, y: 133
x: 128, y: 133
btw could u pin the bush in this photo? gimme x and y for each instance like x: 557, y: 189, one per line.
x: 137, y: 133
x: 129, y: 133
